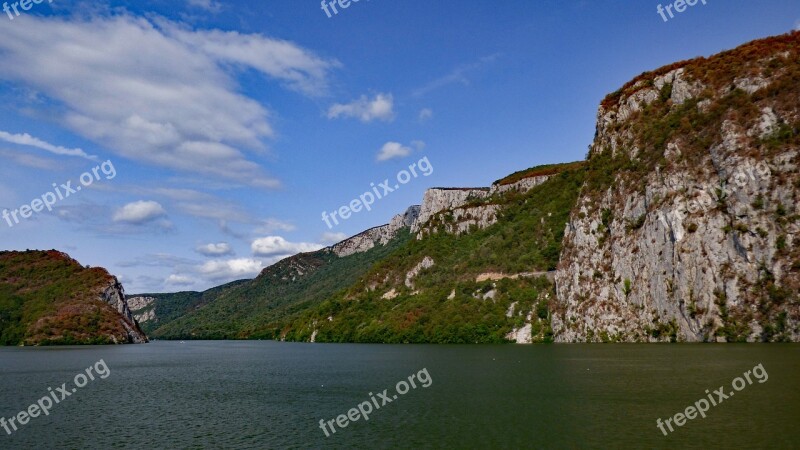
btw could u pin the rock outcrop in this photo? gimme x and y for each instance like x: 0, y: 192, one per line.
x: 378, y: 235
x: 143, y: 308
x: 695, y: 238
x: 426, y: 263
x: 114, y: 295
x: 460, y: 209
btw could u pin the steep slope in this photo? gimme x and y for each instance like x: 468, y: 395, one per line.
x: 475, y: 273
x: 252, y: 309
x: 46, y: 297
x: 155, y: 310
x: 687, y: 226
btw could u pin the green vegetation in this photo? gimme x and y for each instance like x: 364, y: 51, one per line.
x: 475, y: 314
x: 47, y: 298
x: 538, y: 171
x: 372, y: 296
x: 446, y: 303
x: 170, y: 307
x: 299, y: 295
x: 249, y: 309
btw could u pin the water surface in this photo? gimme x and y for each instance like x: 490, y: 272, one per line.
x: 260, y: 394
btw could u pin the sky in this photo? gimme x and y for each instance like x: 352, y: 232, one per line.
x: 182, y: 144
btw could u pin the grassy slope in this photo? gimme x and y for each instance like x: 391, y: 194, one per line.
x: 48, y: 298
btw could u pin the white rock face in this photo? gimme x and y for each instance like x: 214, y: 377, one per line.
x: 751, y: 84
x: 448, y: 206
x: 138, y: 303
x: 521, y: 335
x: 143, y: 308
x: 114, y: 295
x: 696, y: 247
x: 437, y: 201
x: 426, y: 263
x: 145, y: 316
x: 766, y: 125
x: 366, y: 240
x: 510, y: 310
x: 440, y: 199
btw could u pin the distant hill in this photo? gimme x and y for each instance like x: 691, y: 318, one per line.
x: 252, y: 308
x: 155, y: 310
x: 48, y: 298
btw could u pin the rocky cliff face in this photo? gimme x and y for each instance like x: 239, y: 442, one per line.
x: 143, y: 308
x: 379, y: 235
x: 114, y: 295
x: 695, y: 236
x: 451, y: 207
x: 459, y: 209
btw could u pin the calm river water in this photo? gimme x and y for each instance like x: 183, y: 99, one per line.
x: 262, y: 395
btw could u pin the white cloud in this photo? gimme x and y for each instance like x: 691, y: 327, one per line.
x: 332, y: 238
x: 27, y: 139
x: 393, y: 150
x: 364, y: 109
x: 297, y: 68
x: 278, y: 246
x: 218, y: 249
x: 139, y: 212
x: 231, y: 269
x: 157, y: 92
x: 179, y: 280
x: 425, y: 114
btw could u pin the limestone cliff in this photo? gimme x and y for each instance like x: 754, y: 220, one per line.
x: 459, y: 209
x: 114, y: 295
x: 143, y: 308
x: 694, y: 236
x: 378, y: 235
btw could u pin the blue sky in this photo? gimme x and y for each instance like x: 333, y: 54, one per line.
x: 231, y: 125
